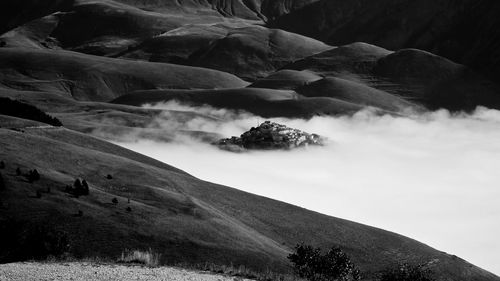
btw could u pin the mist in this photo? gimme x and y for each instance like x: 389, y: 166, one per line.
x: 432, y: 177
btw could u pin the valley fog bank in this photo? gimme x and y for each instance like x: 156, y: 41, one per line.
x: 432, y: 177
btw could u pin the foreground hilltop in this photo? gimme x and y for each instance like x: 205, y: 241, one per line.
x: 135, y: 202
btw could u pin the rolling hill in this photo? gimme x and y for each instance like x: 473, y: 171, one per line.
x: 184, y: 218
x: 93, y: 63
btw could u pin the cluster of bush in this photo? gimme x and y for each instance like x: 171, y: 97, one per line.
x: 33, y: 176
x: 335, y: 265
x: 23, y: 110
x: 309, y: 263
x: 79, y: 188
x: 23, y: 240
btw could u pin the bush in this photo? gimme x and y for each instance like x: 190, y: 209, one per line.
x: 2, y: 165
x: 24, y: 241
x: 33, y: 176
x: 26, y: 111
x: 2, y: 183
x: 79, y: 188
x: 114, y: 201
x: 406, y: 272
x: 334, y: 265
x: 85, y: 188
x: 148, y: 257
x: 18, y: 171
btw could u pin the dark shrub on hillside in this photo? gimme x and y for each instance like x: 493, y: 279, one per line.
x: 18, y: 171
x: 2, y: 183
x: 79, y: 188
x: 406, y: 272
x: 335, y: 265
x: 26, y: 111
x: 24, y: 241
x: 2, y: 165
x: 114, y: 201
x: 33, y: 175
x: 85, y: 188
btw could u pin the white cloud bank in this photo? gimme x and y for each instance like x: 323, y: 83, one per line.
x: 435, y: 178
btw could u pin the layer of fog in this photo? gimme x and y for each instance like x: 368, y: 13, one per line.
x: 434, y: 177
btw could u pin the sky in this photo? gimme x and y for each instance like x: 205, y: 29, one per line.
x: 432, y: 177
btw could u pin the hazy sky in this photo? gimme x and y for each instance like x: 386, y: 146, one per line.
x: 435, y: 178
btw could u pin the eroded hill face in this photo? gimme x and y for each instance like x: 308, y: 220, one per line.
x: 92, y: 63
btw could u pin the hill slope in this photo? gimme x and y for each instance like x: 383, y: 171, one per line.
x: 186, y: 219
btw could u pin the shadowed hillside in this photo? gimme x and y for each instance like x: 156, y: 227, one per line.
x: 465, y: 31
x: 186, y: 219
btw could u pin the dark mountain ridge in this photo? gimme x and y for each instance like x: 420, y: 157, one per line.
x: 465, y: 31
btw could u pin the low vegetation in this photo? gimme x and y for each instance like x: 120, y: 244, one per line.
x: 406, y: 272
x: 79, y: 188
x: 334, y: 265
x: 148, y: 258
x: 23, y: 241
x: 33, y: 176
x: 23, y: 110
x: 2, y: 183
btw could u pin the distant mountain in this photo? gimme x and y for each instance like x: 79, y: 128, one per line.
x: 465, y: 31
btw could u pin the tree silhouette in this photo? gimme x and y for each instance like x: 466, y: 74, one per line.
x: 33, y: 176
x: 334, y: 265
x: 77, y: 184
x: 85, y: 190
x: 26, y: 111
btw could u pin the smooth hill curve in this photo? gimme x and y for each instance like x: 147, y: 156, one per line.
x: 94, y: 78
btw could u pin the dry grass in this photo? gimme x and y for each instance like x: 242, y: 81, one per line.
x: 148, y: 258
x: 241, y: 272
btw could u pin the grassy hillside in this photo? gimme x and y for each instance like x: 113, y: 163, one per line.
x: 184, y: 218
x: 94, y: 78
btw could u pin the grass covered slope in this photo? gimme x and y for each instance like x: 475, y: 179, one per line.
x: 93, y: 78
x: 262, y: 102
x: 183, y: 218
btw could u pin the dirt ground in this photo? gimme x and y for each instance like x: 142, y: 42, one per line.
x: 96, y: 272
